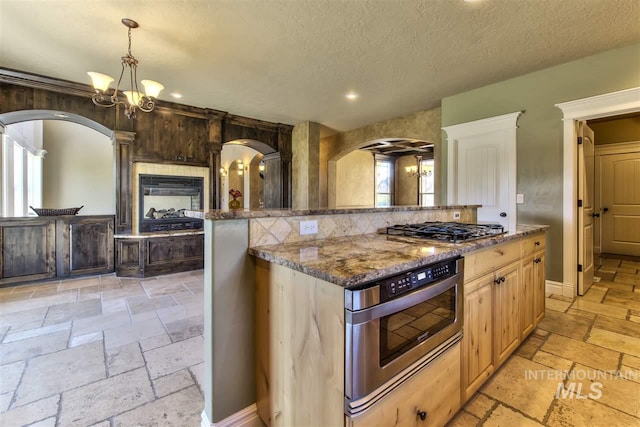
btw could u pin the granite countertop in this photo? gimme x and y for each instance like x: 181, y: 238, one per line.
x: 353, y: 260
x: 267, y: 213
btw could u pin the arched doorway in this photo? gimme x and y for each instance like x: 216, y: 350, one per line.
x: 364, y: 166
x: 262, y: 177
x: 51, y: 159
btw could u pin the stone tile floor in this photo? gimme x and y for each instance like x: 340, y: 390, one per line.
x: 102, y: 351
x: 595, y: 339
x: 110, y: 351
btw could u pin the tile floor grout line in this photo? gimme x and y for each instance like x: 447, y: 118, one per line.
x: 146, y: 368
x: 59, y: 411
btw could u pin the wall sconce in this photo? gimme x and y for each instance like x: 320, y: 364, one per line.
x: 261, y: 166
x: 240, y: 168
x: 223, y: 172
x: 416, y: 171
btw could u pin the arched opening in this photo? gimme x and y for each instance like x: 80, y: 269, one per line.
x: 383, y: 172
x: 260, y: 179
x: 53, y: 159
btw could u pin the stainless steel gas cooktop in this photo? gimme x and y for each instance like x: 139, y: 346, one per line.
x: 453, y: 232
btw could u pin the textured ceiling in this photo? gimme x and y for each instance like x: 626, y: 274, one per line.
x: 293, y: 60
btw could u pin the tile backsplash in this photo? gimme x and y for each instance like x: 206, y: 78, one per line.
x: 274, y: 230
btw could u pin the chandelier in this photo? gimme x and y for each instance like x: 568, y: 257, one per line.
x: 135, y: 99
x: 416, y: 171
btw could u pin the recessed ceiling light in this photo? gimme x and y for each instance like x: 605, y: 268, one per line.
x: 351, y: 96
x: 60, y: 115
x: 176, y: 95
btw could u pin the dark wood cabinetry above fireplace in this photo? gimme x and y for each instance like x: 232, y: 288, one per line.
x: 170, y: 134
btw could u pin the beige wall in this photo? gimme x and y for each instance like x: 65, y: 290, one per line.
x: 328, y: 149
x: 78, y: 169
x: 423, y: 125
x: 231, y: 153
x: 406, y: 186
x: 617, y: 130
x: 355, y: 177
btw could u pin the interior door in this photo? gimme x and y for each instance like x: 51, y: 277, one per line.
x: 620, y: 201
x: 483, y: 177
x: 586, y: 185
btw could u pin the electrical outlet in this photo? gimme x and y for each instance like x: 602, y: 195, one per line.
x: 308, y: 227
x: 519, y: 198
x: 456, y: 214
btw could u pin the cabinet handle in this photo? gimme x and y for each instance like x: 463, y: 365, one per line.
x: 422, y: 415
x: 537, y: 260
x: 497, y: 281
x: 537, y: 243
x: 502, y: 279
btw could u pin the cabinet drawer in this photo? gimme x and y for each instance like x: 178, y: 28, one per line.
x: 533, y: 244
x: 490, y: 259
x: 434, y: 390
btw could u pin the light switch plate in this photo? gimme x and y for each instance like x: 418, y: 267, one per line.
x: 456, y: 214
x: 519, y: 198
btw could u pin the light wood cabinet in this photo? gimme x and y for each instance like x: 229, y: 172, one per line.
x: 503, y: 302
x: 506, y: 316
x: 432, y: 394
x: 532, y: 283
x: 527, y: 283
x: 478, y: 333
x: 539, y: 286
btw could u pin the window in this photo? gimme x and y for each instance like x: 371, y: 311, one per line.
x: 427, y: 183
x: 384, y: 182
x: 21, y: 183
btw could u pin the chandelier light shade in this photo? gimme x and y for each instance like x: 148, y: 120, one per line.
x: 417, y: 170
x: 135, y: 99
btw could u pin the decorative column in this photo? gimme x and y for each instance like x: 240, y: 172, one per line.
x: 306, y: 165
x: 122, y: 141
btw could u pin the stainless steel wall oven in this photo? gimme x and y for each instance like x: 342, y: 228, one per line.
x: 395, y: 324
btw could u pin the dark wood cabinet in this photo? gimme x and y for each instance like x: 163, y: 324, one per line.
x: 47, y: 247
x: 28, y: 250
x: 85, y: 246
x: 139, y: 256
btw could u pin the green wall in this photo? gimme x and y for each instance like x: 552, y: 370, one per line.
x: 539, y: 149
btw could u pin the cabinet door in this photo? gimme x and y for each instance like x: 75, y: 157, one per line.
x: 433, y: 392
x: 539, y: 286
x: 527, y: 284
x: 507, y: 318
x: 477, y: 340
x: 27, y: 250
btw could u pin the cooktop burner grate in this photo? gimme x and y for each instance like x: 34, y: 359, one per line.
x: 453, y: 232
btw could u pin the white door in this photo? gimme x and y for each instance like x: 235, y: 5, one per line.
x: 482, y: 177
x: 586, y: 191
x: 482, y: 167
x: 620, y: 201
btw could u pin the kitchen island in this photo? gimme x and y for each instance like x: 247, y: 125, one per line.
x: 230, y: 277
x: 302, y: 323
x: 238, y: 246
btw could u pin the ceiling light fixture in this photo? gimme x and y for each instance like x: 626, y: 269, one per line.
x: 135, y: 99
x: 176, y: 95
x: 351, y: 96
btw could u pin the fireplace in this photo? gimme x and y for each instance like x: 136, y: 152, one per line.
x: 163, y: 200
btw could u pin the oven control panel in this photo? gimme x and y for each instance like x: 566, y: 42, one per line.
x: 395, y: 286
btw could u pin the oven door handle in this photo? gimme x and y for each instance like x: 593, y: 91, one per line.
x: 401, y: 303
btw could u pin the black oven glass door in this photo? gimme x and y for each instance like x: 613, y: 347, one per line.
x: 404, y: 330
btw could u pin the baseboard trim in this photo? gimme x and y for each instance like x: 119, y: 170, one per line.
x: 559, y: 288
x: 247, y: 417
